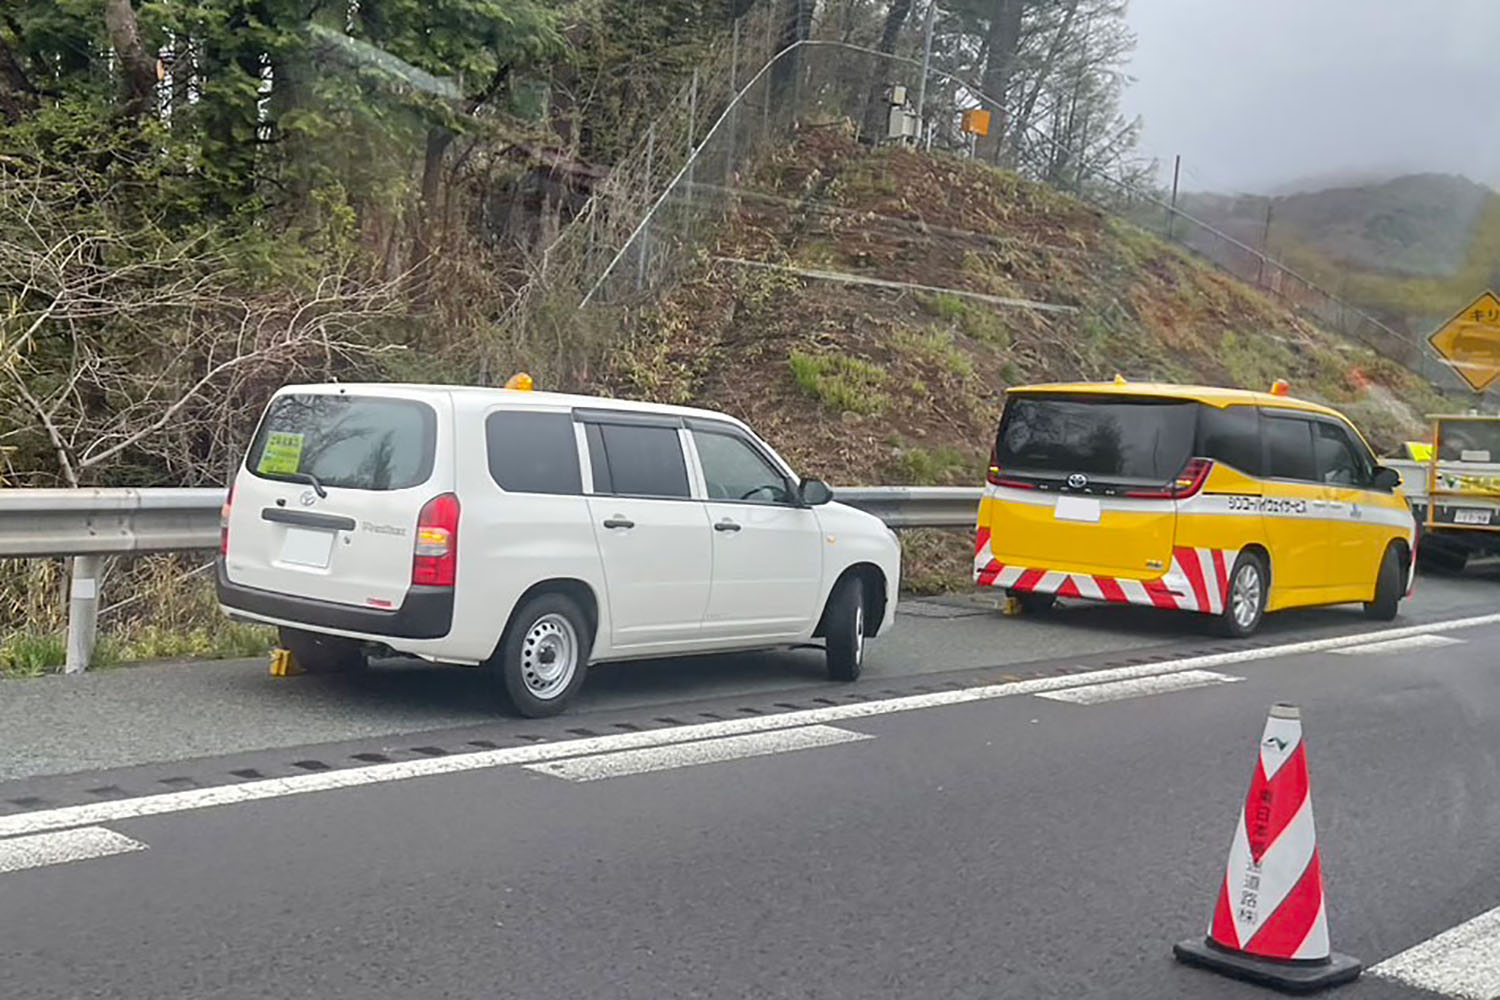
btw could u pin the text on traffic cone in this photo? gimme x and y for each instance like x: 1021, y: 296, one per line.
x: 1271, y: 902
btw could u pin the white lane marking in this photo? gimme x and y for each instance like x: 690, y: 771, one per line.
x: 1401, y: 645
x: 1139, y: 687
x: 623, y: 762
x: 271, y: 788
x: 41, y: 849
x: 1462, y: 962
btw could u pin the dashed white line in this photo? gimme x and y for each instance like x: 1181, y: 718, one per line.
x: 302, y: 784
x: 624, y: 762
x: 1098, y: 694
x: 1401, y: 645
x: 42, y: 849
x: 1462, y: 962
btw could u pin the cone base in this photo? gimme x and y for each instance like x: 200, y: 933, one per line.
x: 1290, y: 977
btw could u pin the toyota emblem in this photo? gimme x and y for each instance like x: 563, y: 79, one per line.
x: 1077, y: 481
x: 308, y: 498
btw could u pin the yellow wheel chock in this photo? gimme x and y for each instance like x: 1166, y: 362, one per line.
x: 283, y: 664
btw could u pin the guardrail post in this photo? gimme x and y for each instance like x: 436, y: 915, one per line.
x: 83, y: 613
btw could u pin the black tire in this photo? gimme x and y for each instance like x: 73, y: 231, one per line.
x: 1239, y: 620
x: 844, y: 630
x: 316, y: 653
x: 543, y: 629
x: 1033, y: 603
x: 1389, y: 588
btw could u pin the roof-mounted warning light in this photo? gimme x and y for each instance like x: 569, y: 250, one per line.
x: 521, y: 381
x: 1119, y: 379
x: 1280, y: 387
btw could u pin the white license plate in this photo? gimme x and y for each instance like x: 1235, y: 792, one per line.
x: 1471, y: 517
x: 1077, y: 509
x: 307, y: 547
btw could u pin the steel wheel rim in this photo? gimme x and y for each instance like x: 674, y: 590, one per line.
x: 859, y: 632
x: 549, y: 656
x: 1245, y: 597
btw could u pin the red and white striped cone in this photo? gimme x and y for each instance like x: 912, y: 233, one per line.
x: 1270, y: 925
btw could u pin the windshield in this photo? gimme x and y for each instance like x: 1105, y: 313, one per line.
x: 1104, y: 437
x: 345, y: 441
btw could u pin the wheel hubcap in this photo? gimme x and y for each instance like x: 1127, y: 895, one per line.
x: 1245, y: 597
x: 549, y: 656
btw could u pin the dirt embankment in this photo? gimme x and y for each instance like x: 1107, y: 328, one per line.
x: 861, y: 382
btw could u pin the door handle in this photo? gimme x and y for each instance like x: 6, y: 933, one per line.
x: 726, y: 525
x: 618, y: 522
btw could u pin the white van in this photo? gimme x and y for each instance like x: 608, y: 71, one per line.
x: 537, y: 533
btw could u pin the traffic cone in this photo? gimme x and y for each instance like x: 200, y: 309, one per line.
x: 1270, y: 926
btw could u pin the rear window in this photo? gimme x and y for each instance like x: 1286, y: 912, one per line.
x: 1289, y: 449
x: 533, y: 452
x: 1469, y: 440
x: 1110, y: 437
x: 640, y: 461
x: 353, y: 442
x: 1232, y: 436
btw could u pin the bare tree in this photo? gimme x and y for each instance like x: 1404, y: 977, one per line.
x: 1002, y: 46
x: 125, y: 346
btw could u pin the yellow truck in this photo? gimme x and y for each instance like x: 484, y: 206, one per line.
x: 1453, y: 482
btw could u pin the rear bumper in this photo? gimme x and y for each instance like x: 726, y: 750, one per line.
x: 1197, y: 580
x: 426, y: 613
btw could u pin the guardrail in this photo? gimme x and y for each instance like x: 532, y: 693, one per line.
x: 89, y: 524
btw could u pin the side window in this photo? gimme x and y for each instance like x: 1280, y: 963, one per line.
x: 733, y: 470
x: 1339, y: 463
x: 532, y: 452
x: 637, y: 460
x: 1289, y: 448
x: 1231, y: 435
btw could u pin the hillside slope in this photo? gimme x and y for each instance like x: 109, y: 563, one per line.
x: 1419, y: 225
x: 869, y: 384
x: 1412, y: 250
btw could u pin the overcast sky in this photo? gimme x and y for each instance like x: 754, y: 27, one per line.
x: 1260, y: 94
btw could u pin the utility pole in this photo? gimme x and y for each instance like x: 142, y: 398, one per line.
x: 1265, y: 245
x: 1172, y: 212
x: 926, y: 64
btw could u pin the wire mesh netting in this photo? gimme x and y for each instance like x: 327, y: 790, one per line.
x: 662, y: 205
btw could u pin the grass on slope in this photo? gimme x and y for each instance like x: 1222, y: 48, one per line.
x: 859, y: 384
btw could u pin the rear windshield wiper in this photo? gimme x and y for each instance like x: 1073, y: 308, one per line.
x: 305, y: 477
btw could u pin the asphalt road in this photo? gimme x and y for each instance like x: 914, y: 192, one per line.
x: 967, y: 841
x: 181, y: 712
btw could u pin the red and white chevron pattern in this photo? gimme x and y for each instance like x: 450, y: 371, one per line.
x: 1271, y: 902
x: 1197, y: 580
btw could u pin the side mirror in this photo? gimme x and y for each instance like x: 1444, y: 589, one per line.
x: 1386, y: 479
x: 815, y: 492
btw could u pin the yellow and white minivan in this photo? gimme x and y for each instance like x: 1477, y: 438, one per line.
x: 1218, y: 501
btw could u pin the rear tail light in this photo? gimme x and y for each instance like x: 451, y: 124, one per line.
x: 434, y: 560
x: 224, y: 521
x: 995, y: 478
x: 1188, y: 482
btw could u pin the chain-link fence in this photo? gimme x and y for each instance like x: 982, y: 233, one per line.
x: 663, y: 203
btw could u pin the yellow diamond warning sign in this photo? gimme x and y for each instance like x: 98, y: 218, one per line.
x: 1470, y: 341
